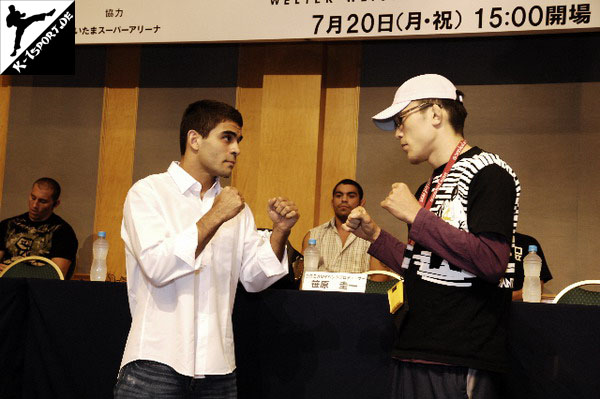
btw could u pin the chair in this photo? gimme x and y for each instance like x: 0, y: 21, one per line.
x: 381, y: 287
x: 574, y: 294
x: 33, y: 267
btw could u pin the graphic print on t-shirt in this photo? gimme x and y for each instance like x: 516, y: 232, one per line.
x: 24, y: 240
x: 450, y: 205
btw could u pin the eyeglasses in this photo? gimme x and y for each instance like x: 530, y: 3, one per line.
x: 401, y: 117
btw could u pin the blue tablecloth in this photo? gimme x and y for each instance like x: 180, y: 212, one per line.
x: 64, y: 339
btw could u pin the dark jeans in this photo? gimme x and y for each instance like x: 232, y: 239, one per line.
x: 433, y: 381
x: 148, y: 379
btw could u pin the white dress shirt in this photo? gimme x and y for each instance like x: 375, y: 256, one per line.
x: 181, y: 305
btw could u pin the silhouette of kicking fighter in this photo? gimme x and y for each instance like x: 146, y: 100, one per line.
x: 16, y: 18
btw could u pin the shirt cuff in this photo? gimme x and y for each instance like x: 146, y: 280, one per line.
x: 186, y: 244
x: 270, y: 265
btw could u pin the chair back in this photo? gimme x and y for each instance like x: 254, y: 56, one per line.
x: 381, y: 287
x: 33, y: 267
x: 575, y: 294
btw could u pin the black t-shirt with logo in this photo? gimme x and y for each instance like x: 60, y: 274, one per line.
x: 51, y: 238
x: 454, y: 317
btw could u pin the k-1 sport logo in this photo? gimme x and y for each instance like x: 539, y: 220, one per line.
x: 38, y: 37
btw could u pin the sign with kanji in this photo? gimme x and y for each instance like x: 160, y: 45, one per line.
x: 147, y: 21
x: 340, y: 282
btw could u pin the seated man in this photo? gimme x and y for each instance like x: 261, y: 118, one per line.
x: 519, y: 251
x: 342, y: 251
x: 40, y: 231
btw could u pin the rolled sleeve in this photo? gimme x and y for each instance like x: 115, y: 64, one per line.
x: 260, y: 266
x: 185, y: 245
x: 269, y: 264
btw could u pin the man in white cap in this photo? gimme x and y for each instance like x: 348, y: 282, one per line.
x: 452, y: 338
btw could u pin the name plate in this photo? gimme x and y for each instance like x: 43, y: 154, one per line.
x: 337, y: 282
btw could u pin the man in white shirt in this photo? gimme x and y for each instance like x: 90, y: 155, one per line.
x: 188, y: 241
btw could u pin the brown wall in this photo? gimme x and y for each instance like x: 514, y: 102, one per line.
x: 300, y: 102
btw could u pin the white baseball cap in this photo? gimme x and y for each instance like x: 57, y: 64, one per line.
x: 417, y: 88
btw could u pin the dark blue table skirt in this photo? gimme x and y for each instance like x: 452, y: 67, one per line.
x: 64, y: 339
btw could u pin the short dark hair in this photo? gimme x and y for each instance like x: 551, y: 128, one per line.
x: 49, y: 182
x: 351, y: 182
x: 456, y: 110
x: 202, y: 116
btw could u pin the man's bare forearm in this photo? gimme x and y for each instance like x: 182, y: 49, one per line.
x: 278, y: 240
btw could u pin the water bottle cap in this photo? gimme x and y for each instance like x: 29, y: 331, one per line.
x: 102, y: 234
x: 312, y: 241
x: 532, y: 248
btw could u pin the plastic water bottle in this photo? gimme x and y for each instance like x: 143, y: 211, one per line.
x: 532, y: 266
x: 100, y: 250
x: 311, y: 256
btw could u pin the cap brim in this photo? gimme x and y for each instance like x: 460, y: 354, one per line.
x: 386, y: 124
x: 384, y: 120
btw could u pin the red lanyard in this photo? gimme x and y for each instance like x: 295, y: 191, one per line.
x: 461, y: 145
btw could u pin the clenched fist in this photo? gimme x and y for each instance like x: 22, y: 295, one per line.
x: 228, y: 203
x: 283, y: 213
x: 401, y: 203
x: 360, y: 224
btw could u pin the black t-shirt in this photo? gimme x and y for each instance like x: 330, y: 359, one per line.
x: 452, y: 316
x: 51, y: 238
x: 516, y: 274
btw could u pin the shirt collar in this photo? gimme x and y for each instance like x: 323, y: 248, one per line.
x: 185, y: 181
x: 467, y: 154
x: 331, y: 223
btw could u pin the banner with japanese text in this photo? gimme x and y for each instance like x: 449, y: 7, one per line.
x: 151, y: 21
